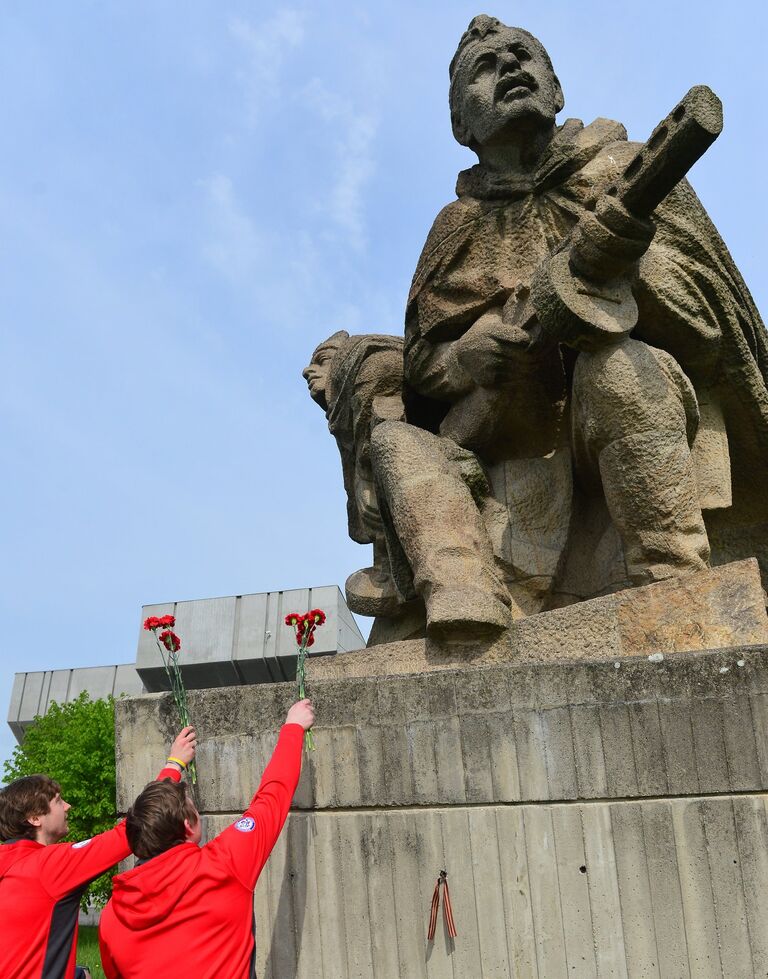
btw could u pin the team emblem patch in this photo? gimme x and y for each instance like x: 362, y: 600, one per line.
x: 77, y: 846
x: 245, y: 825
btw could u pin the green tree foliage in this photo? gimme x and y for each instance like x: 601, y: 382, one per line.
x: 75, y: 744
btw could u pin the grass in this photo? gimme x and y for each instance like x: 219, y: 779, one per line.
x: 88, y: 951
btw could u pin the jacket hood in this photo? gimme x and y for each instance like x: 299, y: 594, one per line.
x: 13, y: 851
x: 146, y: 895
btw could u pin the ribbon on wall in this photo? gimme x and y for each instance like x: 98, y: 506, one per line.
x: 450, y: 924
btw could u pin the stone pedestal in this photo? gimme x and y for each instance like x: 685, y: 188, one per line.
x: 601, y: 818
x: 720, y: 607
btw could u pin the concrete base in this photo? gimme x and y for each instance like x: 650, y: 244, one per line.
x: 712, y: 609
x: 594, y: 819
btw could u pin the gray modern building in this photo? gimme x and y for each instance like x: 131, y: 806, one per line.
x: 33, y: 692
x: 225, y: 642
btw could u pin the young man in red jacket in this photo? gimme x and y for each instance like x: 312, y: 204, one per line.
x: 42, y: 880
x: 186, y: 910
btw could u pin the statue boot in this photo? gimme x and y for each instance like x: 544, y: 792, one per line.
x: 423, y: 489
x: 635, y: 416
x: 652, y: 496
x: 372, y: 591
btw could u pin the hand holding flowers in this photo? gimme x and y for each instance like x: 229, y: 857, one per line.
x: 304, y: 626
x: 169, y: 644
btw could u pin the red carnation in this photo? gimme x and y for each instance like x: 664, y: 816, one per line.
x: 304, y: 626
x: 170, y: 640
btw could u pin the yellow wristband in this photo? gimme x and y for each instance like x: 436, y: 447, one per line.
x: 179, y: 762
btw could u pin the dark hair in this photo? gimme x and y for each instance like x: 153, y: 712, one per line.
x: 20, y: 801
x: 155, y: 822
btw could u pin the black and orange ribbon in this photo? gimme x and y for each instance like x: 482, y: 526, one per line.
x: 450, y: 924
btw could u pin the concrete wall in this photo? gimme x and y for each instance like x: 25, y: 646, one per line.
x: 593, y: 821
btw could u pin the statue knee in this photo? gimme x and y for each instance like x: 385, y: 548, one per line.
x: 390, y: 438
x: 399, y: 446
x: 630, y: 389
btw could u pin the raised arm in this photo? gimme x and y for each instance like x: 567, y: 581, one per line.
x: 69, y: 866
x: 181, y: 754
x: 246, y: 844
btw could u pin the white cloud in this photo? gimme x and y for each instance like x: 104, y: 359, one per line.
x: 235, y: 247
x: 283, y: 269
x: 267, y: 45
x: 354, y: 159
x: 349, y: 135
x: 357, y: 167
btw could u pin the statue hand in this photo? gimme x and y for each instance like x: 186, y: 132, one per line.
x: 607, y: 242
x: 490, y: 350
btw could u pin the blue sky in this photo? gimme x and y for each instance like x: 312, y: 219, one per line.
x: 192, y: 195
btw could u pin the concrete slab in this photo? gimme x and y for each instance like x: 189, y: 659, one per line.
x: 714, y: 609
x: 31, y: 696
x: 97, y: 681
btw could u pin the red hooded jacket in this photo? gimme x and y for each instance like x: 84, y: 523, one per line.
x: 189, y: 911
x: 40, y: 891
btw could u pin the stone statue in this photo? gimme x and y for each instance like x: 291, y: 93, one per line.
x: 584, y: 404
x: 357, y: 381
x: 618, y: 459
x: 415, y: 496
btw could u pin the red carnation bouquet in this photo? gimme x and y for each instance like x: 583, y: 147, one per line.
x: 169, y: 645
x: 305, y: 626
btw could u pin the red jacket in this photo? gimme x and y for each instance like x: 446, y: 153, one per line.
x: 40, y: 891
x: 188, y: 913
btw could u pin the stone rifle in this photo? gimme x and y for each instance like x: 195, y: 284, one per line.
x: 582, y: 295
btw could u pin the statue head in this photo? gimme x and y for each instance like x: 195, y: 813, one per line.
x: 317, y: 371
x: 502, y: 83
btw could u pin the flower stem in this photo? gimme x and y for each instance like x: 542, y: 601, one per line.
x: 179, y: 694
x: 309, y: 741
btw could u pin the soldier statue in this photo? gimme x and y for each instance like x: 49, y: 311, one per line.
x: 578, y: 336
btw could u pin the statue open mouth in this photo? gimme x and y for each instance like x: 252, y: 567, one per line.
x: 514, y: 86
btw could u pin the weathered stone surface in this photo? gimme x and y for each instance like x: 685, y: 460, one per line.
x: 357, y: 381
x: 579, y: 335
x: 722, y: 606
x: 593, y: 821
x: 404, y: 487
x: 692, y: 723
x: 707, y: 610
